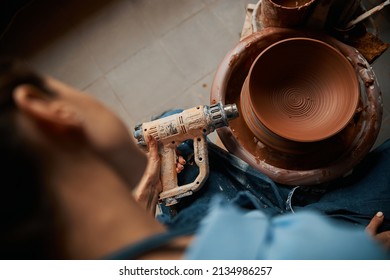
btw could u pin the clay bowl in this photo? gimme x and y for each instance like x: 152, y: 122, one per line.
x: 292, y: 3
x: 299, y: 89
x: 317, y: 162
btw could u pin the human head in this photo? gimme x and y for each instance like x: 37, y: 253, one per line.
x: 39, y: 116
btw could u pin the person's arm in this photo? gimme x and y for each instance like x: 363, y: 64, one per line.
x: 372, y: 229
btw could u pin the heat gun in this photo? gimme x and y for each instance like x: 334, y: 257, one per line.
x: 194, y: 123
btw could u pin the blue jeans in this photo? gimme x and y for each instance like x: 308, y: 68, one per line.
x: 353, y: 199
x: 359, y: 196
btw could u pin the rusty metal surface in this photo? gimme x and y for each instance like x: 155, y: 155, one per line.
x: 325, y: 160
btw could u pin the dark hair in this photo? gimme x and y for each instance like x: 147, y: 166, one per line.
x: 25, y: 211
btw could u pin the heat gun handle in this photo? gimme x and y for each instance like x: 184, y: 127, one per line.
x: 171, y: 191
x: 168, y: 168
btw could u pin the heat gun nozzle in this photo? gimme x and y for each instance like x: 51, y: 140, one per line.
x: 231, y: 111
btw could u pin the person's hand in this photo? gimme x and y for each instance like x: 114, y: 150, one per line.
x: 372, y: 229
x: 180, y: 164
x: 149, y: 188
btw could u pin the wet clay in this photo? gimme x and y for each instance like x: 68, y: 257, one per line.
x: 301, y: 163
x: 299, y: 89
x: 291, y: 3
x: 289, y: 13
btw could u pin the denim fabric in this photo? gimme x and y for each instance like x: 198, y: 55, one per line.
x: 359, y: 196
x: 354, y: 199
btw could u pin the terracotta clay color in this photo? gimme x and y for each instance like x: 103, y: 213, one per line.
x: 284, y: 13
x: 316, y: 162
x: 300, y: 89
x: 291, y: 3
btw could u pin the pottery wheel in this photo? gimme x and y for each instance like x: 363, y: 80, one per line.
x: 319, y: 161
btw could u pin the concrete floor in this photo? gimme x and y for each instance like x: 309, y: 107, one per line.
x: 142, y: 57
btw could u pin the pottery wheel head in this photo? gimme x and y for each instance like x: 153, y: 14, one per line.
x: 303, y: 89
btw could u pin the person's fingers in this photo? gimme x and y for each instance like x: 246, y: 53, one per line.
x: 375, y: 223
x: 180, y: 164
x: 153, y: 148
x: 179, y: 167
x: 152, y: 170
x: 181, y: 160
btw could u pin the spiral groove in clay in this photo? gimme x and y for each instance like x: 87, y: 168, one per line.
x: 299, y: 89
